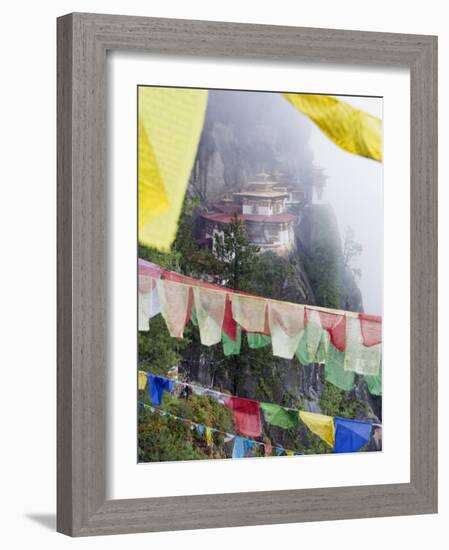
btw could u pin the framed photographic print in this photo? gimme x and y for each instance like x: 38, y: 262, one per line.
x: 246, y: 274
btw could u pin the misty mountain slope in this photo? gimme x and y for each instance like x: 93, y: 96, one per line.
x: 320, y: 248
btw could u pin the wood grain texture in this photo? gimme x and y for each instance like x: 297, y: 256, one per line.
x: 83, y: 40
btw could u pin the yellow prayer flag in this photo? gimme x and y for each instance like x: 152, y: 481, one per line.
x: 170, y: 124
x: 320, y: 424
x: 142, y: 380
x: 289, y: 453
x: 351, y: 129
x: 208, y: 437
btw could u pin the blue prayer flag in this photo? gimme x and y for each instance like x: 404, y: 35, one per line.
x: 351, y: 435
x: 240, y: 447
x: 156, y: 387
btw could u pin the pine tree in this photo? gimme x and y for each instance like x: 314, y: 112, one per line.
x: 236, y: 255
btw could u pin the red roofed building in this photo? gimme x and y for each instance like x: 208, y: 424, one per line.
x: 262, y: 206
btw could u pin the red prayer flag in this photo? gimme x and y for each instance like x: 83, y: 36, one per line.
x: 335, y: 324
x: 371, y: 328
x: 246, y: 415
x: 229, y: 325
x: 268, y: 448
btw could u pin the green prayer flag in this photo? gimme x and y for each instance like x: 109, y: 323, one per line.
x: 335, y: 372
x: 230, y: 346
x: 323, y: 346
x: 194, y: 318
x: 374, y: 383
x: 279, y: 416
x: 256, y: 341
x: 303, y: 354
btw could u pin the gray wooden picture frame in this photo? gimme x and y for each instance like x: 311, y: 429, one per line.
x: 83, y: 40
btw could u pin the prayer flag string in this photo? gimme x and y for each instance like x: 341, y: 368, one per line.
x: 348, y: 341
x: 215, y: 394
x: 206, y: 430
x: 246, y: 412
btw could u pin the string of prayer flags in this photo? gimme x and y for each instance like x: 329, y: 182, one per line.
x: 157, y: 385
x: 210, y: 310
x: 246, y: 412
x: 313, y: 334
x: 203, y: 392
x: 351, y: 435
x: 280, y: 416
x: 246, y: 415
x: 286, y: 323
x: 353, y: 130
x: 320, y: 424
x: 169, y: 129
x: 243, y: 444
x: 358, y: 357
x: 342, y: 434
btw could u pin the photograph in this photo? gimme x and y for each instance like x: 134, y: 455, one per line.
x: 260, y: 274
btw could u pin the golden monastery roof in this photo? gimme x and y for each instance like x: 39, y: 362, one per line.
x: 270, y: 194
